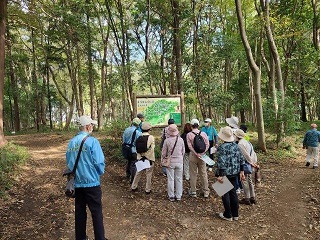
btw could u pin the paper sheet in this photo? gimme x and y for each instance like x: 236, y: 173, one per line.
x: 142, y: 165
x: 213, y: 150
x: 222, y: 188
x: 207, y: 160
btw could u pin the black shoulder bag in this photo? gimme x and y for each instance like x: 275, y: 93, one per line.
x: 71, y: 175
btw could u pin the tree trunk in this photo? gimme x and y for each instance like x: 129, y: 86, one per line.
x: 316, y: 24
x: 3, y: 13
x: 256, y: 78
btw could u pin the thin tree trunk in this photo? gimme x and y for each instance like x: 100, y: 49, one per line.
x: 256, y: 78
x: 3, y: 13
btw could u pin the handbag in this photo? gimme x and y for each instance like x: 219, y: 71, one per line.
x: 71, y: 175
x: 247, y: 168
x: 166, y: 161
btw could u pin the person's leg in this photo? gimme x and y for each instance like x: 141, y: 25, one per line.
x: 245, y: 185
x: 94, y: 195
x: 202, y: 170
x: 186, y: 166
x: 80, y: 214
x: 178, y: 176
x: 133, y: 168
x: 210, y: 154
x: 170, y: 182
x: 309, y: 154
x: 136, y: 180
x: 149, y: 172
x: 316, y: 156
x: 226, y: 205
x: 193, y: 173
x: 234, y: 202
x: 251, y: 186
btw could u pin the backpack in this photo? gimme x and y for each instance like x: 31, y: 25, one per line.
x: 141, y: 143
x: 126, y: 147
x: 198, y: 143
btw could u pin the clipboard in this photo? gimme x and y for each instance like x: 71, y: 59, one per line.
x: 222, y: 188
x: 141, y: 165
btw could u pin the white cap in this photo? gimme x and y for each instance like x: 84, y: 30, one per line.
x: 86, y: 120
x: 194, y: 122
x: 207, y: 120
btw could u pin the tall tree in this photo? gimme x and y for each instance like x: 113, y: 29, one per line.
x: 3, y: 10
x: 256, y: 77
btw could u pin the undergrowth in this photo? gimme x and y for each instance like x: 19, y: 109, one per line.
x: 11, y: 156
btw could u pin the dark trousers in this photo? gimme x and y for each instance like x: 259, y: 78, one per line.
x: 230, y: 201
x: 131, y: 167
x: 90, y: 196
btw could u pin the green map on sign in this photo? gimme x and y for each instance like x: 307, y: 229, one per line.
x: 157, y: 112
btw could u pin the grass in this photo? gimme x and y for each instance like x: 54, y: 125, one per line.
x: 11, y: 156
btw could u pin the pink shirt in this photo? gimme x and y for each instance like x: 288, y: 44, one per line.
x: 190, y: 137
x: 179, y: 150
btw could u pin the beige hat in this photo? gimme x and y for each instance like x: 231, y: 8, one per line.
x: 172, y: 130
x: 226, y: 134
x: 240, y: 133
x: 233, y: 122
x: 146, y: 126
x: 86, y: 120
x: 136, y: 121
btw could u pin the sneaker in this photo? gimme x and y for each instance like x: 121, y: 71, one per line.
x: 192, y: 194
x: 253, y: 200
x: 134, y: 189
x: 238, y: 191
x: 245, y: 201
x: 224, y: 218
x: 235, y: 218
x: 210, y: 169
x: 307, y: 164
x: 206, y: 195
x: 178, y: 199
x: 315, y: 167
x: 171, y: 199
x: 148, y: 192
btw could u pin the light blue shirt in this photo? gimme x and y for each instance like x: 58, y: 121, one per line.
x: 91, y: 162
x: 127, y: 135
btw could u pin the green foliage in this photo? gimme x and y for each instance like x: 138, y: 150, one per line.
x: 11, y: 156
x: 290, y: 116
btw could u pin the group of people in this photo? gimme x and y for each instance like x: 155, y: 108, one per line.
x: 231, y: 154
x: 186, y: 161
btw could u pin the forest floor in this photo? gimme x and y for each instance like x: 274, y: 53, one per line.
x: 288, y: 204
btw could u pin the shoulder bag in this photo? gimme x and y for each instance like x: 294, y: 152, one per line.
x: 71, y: 175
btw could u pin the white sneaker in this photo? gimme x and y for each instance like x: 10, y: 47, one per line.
x: 192, y: 194
x: 210, y: 169
x: 224, y: 218
x: 235, y: 218
x: 238, y: 191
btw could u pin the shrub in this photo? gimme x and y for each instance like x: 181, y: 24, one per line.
x: 11, y: 156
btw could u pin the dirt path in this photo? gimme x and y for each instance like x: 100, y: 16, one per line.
x: 288, y: 203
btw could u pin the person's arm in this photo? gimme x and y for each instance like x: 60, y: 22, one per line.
x: 164, y: 151
x: 97, y: 156
x: 244, y: 151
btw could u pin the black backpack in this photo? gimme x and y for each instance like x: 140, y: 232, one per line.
x: 198, y: 143
x: 141, y: 144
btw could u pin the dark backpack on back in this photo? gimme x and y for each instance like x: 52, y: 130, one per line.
x: 141, y: 144
x: 198, y: 143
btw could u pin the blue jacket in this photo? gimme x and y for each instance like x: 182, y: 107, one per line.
x: 311, y: 138
x: 211, y: 133
x: 91, y: 163
x: 127, y: 135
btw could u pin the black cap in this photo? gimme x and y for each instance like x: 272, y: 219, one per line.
x: 140, y: 115
x: 171, y: 121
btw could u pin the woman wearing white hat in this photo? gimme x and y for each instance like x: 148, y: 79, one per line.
x: 230, y: 162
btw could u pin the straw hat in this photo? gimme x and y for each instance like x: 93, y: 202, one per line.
x: 226, y: 134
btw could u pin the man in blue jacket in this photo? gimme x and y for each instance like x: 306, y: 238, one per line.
x: 311, y: 143
x: 87, y: 182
